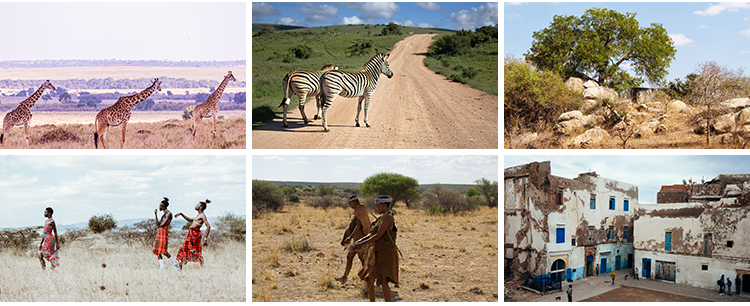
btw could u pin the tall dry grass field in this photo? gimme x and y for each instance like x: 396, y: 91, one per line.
x: 131, y: 275
x: 446, y: 258
x: 146, y: 130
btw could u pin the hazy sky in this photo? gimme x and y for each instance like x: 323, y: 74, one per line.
x: 426, y: 169
x: 447, y: 15
x: 126, y: 186
x: 125, y: 30
x: 648, y: 172
x: 701, y: 31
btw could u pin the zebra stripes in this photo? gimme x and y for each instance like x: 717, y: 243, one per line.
x: 303, y: 83
x: 357, y: 84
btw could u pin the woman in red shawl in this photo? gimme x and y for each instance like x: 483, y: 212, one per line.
x: 191, y: 249
x: 48, y: 247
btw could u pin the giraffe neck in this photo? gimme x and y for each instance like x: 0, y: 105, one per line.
x: 139, y: 97
x: 216, y: 95
x: 29, y: 102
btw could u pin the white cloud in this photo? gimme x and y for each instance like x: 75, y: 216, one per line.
x: 484, y: 15
x: 264, y: 9
x: 745, y: 32
x: 680, y: 39
x: 352, y: 20
x: 407, y: 23
x: 513, y: 3
x: 703, y: 27
x: 375, y: 10
x: 430, y: 6
x: 354, y: 158
x: 317, y: 13
x: 716, y: 9
x: 425, y: 25
x: 291, y: 21
x: 273, y: 158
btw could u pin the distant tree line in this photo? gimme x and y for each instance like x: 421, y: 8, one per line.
x: 113, y: 62
x: 110, y: 83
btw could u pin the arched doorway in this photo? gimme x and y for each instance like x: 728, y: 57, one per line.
x: 557, y: 273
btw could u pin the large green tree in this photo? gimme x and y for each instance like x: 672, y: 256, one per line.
x: 399, y: 187
x: 599, y: 44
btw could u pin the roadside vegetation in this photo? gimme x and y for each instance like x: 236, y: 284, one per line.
x: 276, y: 52
x: 467, y: 57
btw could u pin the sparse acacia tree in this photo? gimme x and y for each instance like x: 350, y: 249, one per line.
x: 489, y: 191
x: 599, y: 44
x: 266, y: 195
x: 101, y: 223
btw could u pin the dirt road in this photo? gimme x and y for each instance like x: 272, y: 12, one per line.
x: 416, y: 109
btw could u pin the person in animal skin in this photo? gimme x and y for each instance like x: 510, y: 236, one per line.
x: 48, y: 248
x: 191, y: 249
x: 359, y: 225
x: 381, y: 255
x: 161, y: 243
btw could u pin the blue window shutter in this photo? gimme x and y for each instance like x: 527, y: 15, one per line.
x: 668, y: 241
x: 626, y: 205
x: 592, y: 203
x: 625, y: 234
x: 611, y: 203
x: 561, y: 235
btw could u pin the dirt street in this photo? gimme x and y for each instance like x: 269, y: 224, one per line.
x: 416, y: 109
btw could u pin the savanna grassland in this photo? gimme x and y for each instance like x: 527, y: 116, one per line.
x: 146, y: 130
x: 271, y: 60
x: 297, y: 254
x: 97, y: 270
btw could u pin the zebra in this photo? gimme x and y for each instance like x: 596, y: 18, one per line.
x: 304, y: 83
x: 353, y: 84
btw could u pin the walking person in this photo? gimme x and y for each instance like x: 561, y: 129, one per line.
x: 729, y: 286
x: 161, y: 243
x: 635, y: 274
x: 570, y: 293
x: 191, y: 249
x: 382, y: 254
x: 48, y: 248
x: 720, y: 282
x: 613, y: 276
x: 358, y: 227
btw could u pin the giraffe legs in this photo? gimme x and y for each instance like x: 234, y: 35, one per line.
x: 6, y: 130
x: 26, y: 132
x: 214, y: 122
x: 124, y: 129
x: 197, y: 120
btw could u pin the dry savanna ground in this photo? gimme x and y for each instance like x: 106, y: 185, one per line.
x: 131, y: 275
x: 445, y: 258
x: 146, y: 130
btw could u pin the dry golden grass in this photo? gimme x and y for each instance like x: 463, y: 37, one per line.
x: 169, y: 134
x: 131, y: 275
x: 444, y: 256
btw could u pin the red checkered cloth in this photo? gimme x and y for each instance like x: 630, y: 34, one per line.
x: 49, y: 252
x: 161, y: 242
x: 191, y: 249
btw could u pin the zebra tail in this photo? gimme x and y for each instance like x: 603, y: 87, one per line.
x: 287, y: 88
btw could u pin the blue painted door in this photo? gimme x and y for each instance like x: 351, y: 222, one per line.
x: 617, y: 262
x: 603, y: 266
x: 646, y: 268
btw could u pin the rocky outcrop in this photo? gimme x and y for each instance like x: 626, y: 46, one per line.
x: 676, y: 106
x: 589, y: 137
x: 575, y: 84
x: 600, y: 93
x: 573, y: 121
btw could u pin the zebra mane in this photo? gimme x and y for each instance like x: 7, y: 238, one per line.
x: 378, y: 56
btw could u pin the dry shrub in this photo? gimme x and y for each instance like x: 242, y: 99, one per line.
x: 59, y: 134
x: 325, y: 202
x: 272, y: 257
x: 297, y: 245
x: 324, y: 277
x: 441, y: 200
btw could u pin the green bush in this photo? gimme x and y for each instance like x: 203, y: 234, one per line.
x: 534, y: 99
x: 233, y: 226
x: 301, y: 51
x: 266, y: 196
x: 450, y: 45
x: 100, y: 223
x: 294, y: 198
x: 441, y: 200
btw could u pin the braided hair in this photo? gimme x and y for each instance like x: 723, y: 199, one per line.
x: 204, y: 203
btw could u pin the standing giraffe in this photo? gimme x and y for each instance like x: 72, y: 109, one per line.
x: 119, y: 113
x: 210, y: 108
x: 22, y: 114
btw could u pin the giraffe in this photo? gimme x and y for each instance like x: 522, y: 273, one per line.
x: 22, y: 114
x: 119, y: 113
x: 210, y: 108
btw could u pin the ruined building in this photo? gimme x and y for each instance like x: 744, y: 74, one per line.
x: 696, y: 233
x: 558, y: 228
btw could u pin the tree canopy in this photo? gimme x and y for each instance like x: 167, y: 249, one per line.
x: 101, y: 223
x: 600, y: 44
x: 399, y: 187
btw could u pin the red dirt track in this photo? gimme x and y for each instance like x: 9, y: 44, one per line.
x: 416, y: 109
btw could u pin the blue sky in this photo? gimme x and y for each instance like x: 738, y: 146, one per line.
x: 426, y: 169
x: 126, y: 186
x: 648, y: 172
x: 447, y: 15
x: 701, y: 31
x: 123, y: 30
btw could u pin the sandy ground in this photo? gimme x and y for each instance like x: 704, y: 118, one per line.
x: 416, y: 109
